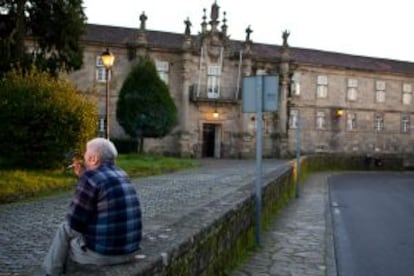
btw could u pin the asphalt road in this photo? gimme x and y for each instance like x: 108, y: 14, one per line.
x: 373, y: 223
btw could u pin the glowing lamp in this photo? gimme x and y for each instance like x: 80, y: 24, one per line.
x: 215, y: 114
x: 107, y: 58
x: 339, y: 112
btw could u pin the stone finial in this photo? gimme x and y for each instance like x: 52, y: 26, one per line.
x: 204, y: 23
x: 187, y: 26
x: 143, y: 18
x: 142, y: 37
x: 285, y: 57
x: 214, y: 12
x: 204, y: 15
x: 285, y: 36
x: 248, y: 32
x: 214, y: 17
x: 224, y: 26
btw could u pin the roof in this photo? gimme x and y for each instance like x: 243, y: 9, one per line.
x: 121, y: 35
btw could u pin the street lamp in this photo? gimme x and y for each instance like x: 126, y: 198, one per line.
x: 107, y: 60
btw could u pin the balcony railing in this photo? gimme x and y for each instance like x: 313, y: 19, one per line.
x: 223, y: 94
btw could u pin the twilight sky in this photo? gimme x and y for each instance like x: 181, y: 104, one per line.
x: 380, y: 28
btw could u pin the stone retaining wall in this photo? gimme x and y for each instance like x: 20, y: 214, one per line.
x: 208, y: 241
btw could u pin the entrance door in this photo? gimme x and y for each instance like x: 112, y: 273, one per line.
x: 208, y: 140
x: 211, y: 140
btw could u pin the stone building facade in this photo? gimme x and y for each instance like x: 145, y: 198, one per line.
x: 333, y: 102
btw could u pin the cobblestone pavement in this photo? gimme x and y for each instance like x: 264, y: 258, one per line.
x: 27, y: 228
x: 299, y: 242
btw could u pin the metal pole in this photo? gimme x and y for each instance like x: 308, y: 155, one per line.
x: 107, y: 104
x: 258, y: 186
x: 298, y: 146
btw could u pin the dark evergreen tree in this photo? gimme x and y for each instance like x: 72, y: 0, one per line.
x: 145, y: 108
x: 54, y: 26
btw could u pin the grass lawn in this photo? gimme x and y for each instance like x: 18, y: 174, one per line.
x: 16, y: 185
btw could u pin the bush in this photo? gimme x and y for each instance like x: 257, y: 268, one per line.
x: 41, y: 119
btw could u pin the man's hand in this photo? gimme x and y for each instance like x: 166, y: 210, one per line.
x: 77, y: 166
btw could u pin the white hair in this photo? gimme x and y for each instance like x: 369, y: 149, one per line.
x: 104, y: 148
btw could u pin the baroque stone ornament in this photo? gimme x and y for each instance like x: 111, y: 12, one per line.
x: 248, y: 32
x: 214, y: 12
x: 143, y: 18
x: 187, y: 26
x: 285, y: 37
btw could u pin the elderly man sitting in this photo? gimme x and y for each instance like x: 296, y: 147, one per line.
x: 103, y: 226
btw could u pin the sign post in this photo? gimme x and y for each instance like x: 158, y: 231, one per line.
x: 298, y: 146
x: 260, y: 93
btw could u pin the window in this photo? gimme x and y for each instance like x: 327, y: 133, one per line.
x: 379, y: 122
x: 322, y: 86
x: 320, y: 120
x: 99, y: 62
x: 407, y: 93
x: 380, y: 91
x: 405, y: 123
x: 295, y: 85
x: 162, y: 69
x: 351, y: 121
x: 213, y: 82
x: 294, y: 119
x: 352, y: 90
x: 101, y: 70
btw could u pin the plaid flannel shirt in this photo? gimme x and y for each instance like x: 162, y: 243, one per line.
x: 106, y: 210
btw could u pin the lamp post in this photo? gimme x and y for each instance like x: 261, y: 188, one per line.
x: 107, y: 60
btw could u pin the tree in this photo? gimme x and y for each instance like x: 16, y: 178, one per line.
x: 55, y: 26
x: 145, y: 108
